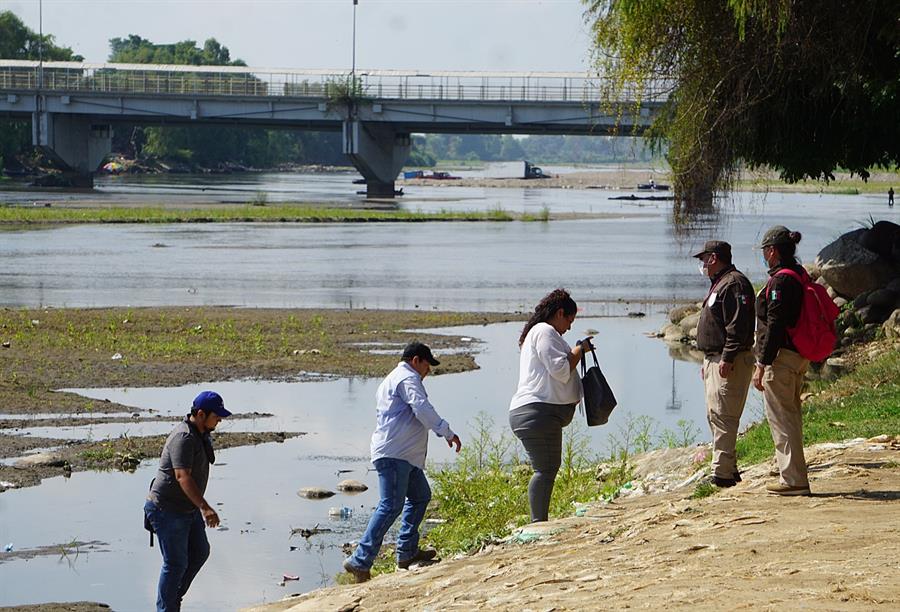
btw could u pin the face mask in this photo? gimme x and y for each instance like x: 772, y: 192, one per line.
x: 765, y: 262
x: 703, y: 269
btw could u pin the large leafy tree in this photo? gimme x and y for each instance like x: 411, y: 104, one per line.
x: 802, y: 86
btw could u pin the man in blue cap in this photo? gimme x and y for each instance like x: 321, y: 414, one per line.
x: 175, y: 506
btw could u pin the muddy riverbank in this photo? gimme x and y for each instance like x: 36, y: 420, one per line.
x: 46, y: 350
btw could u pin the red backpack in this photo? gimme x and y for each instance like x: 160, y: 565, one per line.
x: 814, y: 335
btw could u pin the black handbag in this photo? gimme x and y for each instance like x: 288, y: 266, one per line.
x: 599, y: 399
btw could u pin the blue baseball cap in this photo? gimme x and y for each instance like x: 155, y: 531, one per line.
x: 210, y: 402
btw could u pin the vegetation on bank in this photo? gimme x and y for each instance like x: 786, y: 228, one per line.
x: 47, y: 349
x: 22, y: 215
x: 860, y: 404
x: 482, y: 497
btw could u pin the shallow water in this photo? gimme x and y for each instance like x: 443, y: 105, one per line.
x: 258, y: 485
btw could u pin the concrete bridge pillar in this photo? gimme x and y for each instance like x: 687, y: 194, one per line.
x: 378, y: 152
x: 76, y: 140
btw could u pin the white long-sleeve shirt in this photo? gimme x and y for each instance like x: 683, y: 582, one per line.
x: 403, y: 417
x: 544, y: 372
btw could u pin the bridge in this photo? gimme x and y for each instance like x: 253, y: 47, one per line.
x: 73, y: 106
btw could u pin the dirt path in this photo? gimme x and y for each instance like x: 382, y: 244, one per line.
x: 738, y: 549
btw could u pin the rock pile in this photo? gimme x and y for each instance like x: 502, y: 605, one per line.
x: 860, y: 270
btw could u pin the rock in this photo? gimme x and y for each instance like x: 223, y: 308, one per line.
x: 882, y: 238
x: 891, y: 327
x: 884, y: 298
x: 861, y: 300
x: 41, y: 460
x: 875, y: 314
x: 851, y: 268
x: 314, y: 493
x: 680, y: 312
x: 690, y: 323
x: 832, y: 293
x: 813, y: 270
x: 894, y: 285
x: 672, y: 333
x: 839, y: 301
x: 836, y: 362
x: 352, y: 486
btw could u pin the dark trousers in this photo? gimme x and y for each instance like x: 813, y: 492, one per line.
x: 184, y: 547
x: 539, y: 426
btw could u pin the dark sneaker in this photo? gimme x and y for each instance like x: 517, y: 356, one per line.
x: 359, y: 575
x: 737, y: 477
x: 421, y: 556
x: 722, y: 483
x: 783, y: 489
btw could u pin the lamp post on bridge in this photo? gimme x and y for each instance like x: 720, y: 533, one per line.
x: 353, y: 59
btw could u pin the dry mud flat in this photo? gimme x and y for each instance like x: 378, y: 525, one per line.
x: 738, y: 549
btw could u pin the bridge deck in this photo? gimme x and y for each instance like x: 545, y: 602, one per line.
x: 179, y: 80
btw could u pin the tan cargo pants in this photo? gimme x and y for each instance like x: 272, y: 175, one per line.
x: 725, y: 398
x: 782, y: 383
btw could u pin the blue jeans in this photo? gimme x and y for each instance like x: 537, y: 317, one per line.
x: 184, y: 547
x: 404, y: 489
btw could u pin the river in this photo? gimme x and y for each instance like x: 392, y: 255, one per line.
x: 630, y: 260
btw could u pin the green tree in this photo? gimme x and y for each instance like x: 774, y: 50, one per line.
x: 18, y: 41
x: 802, y: 86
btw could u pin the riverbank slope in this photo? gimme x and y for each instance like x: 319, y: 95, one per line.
x: 827, y: 551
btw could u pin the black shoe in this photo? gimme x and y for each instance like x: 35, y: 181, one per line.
x: 722, y: 483
x: 737, y: 477
x: 359, y: 575
x: 420, y: 557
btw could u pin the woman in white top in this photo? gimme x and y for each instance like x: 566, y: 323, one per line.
x: 549, y: 389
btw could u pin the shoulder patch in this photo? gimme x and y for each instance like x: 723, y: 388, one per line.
x: 775, y: 295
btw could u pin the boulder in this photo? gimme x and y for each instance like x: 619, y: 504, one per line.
x: 314, y: 493
x: 883, y: 298
x: 672, y: 333
x: 689, y: 322
x: 680, y: 312
x: 861, y: 301
x: 883, y: 236
x: 875, y: 314
x: 851, y: 268
x: 813, y: 270
x: 894, y: 285
x: 351, y: 486
x: 41, y: 460
x: 891, y: 327
x: 839, y: 302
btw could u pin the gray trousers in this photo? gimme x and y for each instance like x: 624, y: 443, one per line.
x: 539, y: 426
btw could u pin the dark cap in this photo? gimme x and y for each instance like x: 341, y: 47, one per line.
x: 417, y: 349
x: 719, y: 247
x: 210, y: 402
x: 778, y: 234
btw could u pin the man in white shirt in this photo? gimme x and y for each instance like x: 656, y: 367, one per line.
x: 399, y: 447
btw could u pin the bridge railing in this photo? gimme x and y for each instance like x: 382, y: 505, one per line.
x: 164, y: 80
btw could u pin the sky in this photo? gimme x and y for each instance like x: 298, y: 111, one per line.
x: 485, y: 35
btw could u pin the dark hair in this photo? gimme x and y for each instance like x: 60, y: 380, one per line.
x: 547, y: 307
x: 787, y: 250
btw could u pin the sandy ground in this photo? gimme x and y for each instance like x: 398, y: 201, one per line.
x: 738, y: 549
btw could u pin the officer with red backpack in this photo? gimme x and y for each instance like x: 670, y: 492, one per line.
x: 794, y: 325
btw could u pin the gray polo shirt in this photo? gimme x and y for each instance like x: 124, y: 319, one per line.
x: 185, y: 448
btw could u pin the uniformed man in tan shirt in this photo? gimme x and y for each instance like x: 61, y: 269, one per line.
x: 725, y: 335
